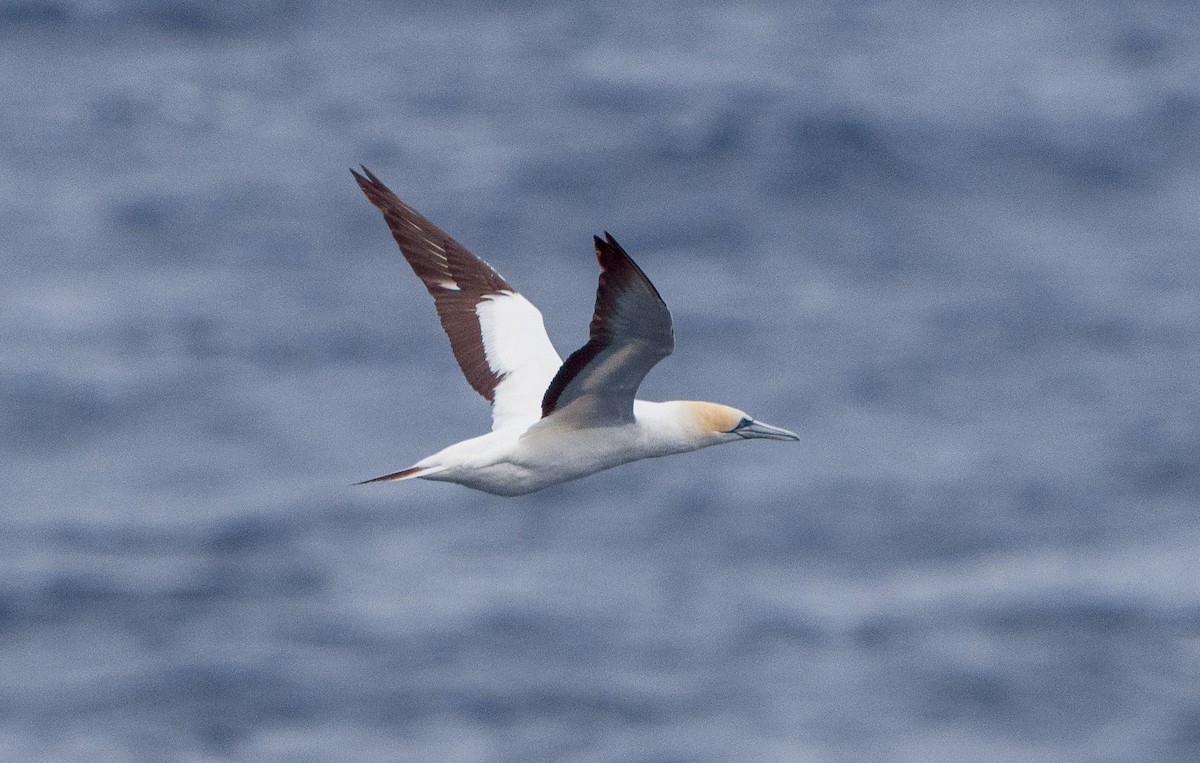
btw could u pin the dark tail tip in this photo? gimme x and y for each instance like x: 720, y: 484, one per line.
x: 411, y: 471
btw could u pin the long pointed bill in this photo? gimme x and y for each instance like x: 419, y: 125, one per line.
x: 759, y: 429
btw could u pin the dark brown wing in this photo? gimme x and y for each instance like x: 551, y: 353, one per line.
x: 630, y: 332
x: 496, y: 334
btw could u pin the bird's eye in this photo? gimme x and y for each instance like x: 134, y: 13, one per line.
x: 745, y: 422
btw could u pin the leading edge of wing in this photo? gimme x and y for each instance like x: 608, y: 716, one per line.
x: 497, y: 336
x: 630, y: 332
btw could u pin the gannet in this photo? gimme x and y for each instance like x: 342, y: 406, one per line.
x: 552, y: 421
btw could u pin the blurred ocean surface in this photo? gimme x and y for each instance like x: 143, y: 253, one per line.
x: 953, y: 245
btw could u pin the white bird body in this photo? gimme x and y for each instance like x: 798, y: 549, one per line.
x: 552, y: 421
x: 514, y: 460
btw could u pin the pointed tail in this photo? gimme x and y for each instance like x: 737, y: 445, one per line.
x: 403, y: 474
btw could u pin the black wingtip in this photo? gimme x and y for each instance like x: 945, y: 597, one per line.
x: 374, y: 189
x: 612, y: 256
x: 608, y: 243
x: 365, y: 177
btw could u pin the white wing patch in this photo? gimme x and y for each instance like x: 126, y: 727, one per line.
x: 519, y: 351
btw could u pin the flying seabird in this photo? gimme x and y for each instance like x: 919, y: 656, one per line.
x: 552, y: 421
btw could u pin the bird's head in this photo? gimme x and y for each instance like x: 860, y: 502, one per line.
x: 725, y: 423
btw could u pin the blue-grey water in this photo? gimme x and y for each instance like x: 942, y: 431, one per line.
x: 953, y: 245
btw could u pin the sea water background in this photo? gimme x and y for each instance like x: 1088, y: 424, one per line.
x: 953, y: 245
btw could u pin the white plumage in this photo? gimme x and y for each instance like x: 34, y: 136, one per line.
x: 517, y: 347
x: 552, y: 421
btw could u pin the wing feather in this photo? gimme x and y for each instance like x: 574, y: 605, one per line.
x: 630, y: 333
x: 497, y: 336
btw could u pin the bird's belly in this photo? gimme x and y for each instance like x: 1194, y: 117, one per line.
x: 509, y: 479
x: 538, y: 462
x: 578, y: 455
x: 505, y: 479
